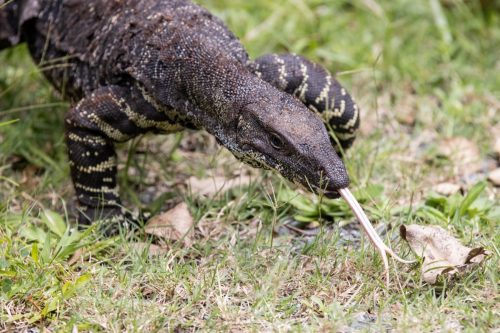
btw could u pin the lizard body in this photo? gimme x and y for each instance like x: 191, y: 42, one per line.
x: 136, y: 66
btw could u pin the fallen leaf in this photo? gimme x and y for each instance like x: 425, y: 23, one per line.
x: 446, y: 189
x: 463, y: 153
x: 153, y: 249
x: 442, y: 253
x: 494, y: 177
x: 216, y: 185
x: 175, y: 224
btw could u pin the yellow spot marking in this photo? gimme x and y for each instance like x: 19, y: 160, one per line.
x: 282, y: 72
x: 345, y: 136
x: 101, y: 167
x: 324, y: 93
x: 103, y: 189
x: 109, y: 130
x: 163, y: 125
x: 91, y: 140
x: 352, y: 121
x: 301, y: 90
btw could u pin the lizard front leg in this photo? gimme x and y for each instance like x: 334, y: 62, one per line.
x: 108, y: 115
x: 316, y: 88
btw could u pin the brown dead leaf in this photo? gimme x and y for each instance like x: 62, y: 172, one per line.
x: 463, y: 153
x: 216, y: 185
x: 153, y: 249
x: 442, y: 253
x: 494, y: 177
x: 175, y: 224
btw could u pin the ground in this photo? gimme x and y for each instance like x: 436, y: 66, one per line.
x: 269, y: 257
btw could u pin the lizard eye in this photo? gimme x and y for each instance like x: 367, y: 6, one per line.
x: 275, y: 141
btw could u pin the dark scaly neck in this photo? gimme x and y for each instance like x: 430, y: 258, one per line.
x: 219, y: 87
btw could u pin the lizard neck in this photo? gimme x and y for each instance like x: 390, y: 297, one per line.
x: 205, y: 84
x: 218, y: 87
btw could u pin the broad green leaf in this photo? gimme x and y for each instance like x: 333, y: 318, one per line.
x: 50, y: 306
x: 82, y: 280
x: 302, y: 218
x: 474, y: 192
x: 70, y: 288
x: 428, y: 212
x: 54, y: 222
x: 68, y: 244
x: 469, y: 199
x: 33, y: 233
x: 45, y: 254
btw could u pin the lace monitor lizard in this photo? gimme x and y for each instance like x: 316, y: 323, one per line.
x: 136, y: 66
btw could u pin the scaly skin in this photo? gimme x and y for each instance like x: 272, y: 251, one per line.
x: 136, y: 66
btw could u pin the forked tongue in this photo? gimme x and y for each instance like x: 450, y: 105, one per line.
x: 370, y: 231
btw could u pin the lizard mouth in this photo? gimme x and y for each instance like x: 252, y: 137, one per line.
x: 331, y: 194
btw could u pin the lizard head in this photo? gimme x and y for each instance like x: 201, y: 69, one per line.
x: 279, y: 132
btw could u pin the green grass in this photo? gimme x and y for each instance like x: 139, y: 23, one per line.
x: 433, y: 62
